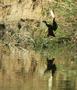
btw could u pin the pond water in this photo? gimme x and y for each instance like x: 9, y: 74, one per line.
x: 63, y: 80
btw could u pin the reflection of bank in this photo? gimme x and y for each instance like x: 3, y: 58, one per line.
x: 65, y: 80
x: 51, y: 67
x: 50, y: 83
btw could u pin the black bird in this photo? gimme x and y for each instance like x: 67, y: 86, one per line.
x: 51, y: 66
x: 51, y: 28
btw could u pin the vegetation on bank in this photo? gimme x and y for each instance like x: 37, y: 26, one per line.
x: 33, y: 33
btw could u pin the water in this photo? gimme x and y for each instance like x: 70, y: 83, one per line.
x: 63, y: 80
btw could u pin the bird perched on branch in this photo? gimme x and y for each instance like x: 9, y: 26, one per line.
x: 51, y: 27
